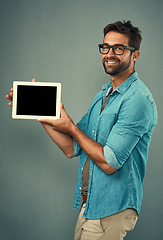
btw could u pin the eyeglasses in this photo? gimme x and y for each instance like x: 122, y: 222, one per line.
x: 118, y: 49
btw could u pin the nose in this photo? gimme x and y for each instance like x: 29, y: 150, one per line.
x: 109, y: 55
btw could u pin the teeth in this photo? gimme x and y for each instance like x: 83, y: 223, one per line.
x: 110, y: 62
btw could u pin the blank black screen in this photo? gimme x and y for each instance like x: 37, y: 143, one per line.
x: 36, y: 100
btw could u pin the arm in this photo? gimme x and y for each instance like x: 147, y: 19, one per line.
x: 63, y: 141
x: 93, y: 149
x: 133, y: 128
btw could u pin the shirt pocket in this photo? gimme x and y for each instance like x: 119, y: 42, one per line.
x: 106, y: 123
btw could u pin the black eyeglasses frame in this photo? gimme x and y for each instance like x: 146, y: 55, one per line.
x: 112, y: 46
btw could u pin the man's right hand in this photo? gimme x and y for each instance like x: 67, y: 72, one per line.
x: 10, y: 96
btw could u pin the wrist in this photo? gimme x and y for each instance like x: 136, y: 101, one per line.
x: 73, y: 130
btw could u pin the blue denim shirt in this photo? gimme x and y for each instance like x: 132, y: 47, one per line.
x: 124, y: 129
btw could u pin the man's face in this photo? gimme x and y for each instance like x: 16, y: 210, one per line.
x: 115, y: 64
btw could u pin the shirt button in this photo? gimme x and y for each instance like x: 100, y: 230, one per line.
x: 80, y: 188
x: 81, y: 168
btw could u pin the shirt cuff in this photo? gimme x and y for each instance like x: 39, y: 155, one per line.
x: 110, y: 157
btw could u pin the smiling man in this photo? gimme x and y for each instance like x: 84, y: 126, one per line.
x: 112, y: 140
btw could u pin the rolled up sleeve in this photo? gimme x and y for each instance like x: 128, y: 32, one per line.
x: 110, y: 157
x: 134, y: 119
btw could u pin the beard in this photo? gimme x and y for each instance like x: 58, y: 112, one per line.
x: 114, y: 70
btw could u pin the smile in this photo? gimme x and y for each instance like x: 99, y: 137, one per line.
x: 111, y: 62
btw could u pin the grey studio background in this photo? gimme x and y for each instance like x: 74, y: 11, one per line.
x: 57, y: 41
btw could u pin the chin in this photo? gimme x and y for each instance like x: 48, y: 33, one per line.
x: 112, y: 73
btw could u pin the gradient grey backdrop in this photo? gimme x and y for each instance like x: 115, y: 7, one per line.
x: 57, y: 41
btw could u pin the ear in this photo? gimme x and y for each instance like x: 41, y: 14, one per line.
x: 135, y: 55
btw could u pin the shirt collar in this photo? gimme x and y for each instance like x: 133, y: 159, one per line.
x: 124, y: 86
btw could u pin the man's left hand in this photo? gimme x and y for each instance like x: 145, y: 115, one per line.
x: 64, y: 124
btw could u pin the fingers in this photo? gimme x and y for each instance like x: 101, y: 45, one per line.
x: 33, y: 79
x: 10, y: 97
x: 10, y: 104
x: 10, y: 94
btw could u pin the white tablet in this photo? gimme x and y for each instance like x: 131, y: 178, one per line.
x: 36, y: 100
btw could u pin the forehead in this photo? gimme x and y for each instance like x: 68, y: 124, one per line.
x: 116, y: 38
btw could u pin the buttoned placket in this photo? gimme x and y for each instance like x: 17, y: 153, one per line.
x: 106, y: 98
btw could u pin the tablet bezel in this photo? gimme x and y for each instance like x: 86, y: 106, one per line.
x: 58, y: 99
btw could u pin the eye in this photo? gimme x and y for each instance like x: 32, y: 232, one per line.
x: 105, y: 48
x: 118, y: 48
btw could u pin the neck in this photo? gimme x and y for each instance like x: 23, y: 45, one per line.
x: 119, y: 78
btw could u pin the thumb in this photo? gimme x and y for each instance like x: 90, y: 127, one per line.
x: 33, y: 79
x: 62, y: 109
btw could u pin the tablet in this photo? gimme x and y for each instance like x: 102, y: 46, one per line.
x: 36, y: 100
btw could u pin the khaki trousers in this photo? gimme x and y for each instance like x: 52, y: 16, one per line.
x: 114, y: 227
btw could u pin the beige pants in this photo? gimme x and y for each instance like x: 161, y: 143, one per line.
x: 114, y: 227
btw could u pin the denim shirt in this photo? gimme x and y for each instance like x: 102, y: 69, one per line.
x: 124, y: 129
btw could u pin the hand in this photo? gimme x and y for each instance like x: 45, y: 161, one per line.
x: 64, y: 124
x: 10, y: 96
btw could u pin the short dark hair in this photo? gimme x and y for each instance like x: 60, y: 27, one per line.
x: 125, y: 27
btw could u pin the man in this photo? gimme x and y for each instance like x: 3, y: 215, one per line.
x: 112, y: 140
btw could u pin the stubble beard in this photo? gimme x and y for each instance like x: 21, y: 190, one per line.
x: 114, y: 70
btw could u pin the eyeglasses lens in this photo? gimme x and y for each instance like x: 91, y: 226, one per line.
x: 118, y: 50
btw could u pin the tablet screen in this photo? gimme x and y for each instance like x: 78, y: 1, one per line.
x: 35, y: 100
